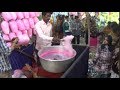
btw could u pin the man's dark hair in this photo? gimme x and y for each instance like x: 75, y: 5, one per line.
x: 76, y: 17
x: 44, y: 13
x: 66, y: 16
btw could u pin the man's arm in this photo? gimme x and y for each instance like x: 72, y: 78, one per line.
x: 40, y: 32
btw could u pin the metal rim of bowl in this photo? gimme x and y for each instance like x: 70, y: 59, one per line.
x: 58, y: 60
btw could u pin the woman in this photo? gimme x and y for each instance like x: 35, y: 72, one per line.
x: 101, y: 65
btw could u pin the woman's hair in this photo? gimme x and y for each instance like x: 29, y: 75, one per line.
x: 109, y: 39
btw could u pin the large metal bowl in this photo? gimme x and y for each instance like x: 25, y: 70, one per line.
x: 55, y: 66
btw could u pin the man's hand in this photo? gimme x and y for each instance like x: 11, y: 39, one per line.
x: 56, y: 41
x: 15, y: 44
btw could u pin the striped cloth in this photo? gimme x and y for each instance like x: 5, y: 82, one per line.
x: 4, y: 53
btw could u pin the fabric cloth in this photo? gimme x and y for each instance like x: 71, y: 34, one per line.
x: 18, y: 60
x: 4, y: 53
x: 44, y: 31
x: 101, y: 65
x: 78, y: 27
x: 6, y: 74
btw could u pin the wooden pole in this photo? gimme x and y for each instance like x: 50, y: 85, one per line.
x: 88, y: 26
x: 119, y: 46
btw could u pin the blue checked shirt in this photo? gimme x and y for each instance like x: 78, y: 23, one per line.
x: 4, y: 53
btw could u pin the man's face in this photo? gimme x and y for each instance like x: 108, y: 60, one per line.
x: 71, y: 16
x: 46, y: 18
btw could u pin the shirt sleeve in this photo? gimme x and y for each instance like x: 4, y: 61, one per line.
x: 3, y: 46
x: 40, y: 32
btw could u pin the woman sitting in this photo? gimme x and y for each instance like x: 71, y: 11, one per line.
x: 101, y: 65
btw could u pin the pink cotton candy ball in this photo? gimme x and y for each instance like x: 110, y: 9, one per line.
x: 26, y: 24
x: 5, y: 27
x: 12, y: 35
x: 32, y: 14
x: 6, y: 16
x: 13, y: 15
x: 6, y: 37
x: 26, y: 39
x: 37, y: 14
x: 18, y: 33
x: 13, y: 26
x: 36, y: 20
x: 20, y: 15
x: 20, y: 25
x: 31, y: 22
x: 23, y: 39
x: 26, y: 14
x: 24, y: 32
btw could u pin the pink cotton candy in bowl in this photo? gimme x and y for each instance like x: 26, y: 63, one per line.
x: 55, y: 59
x: 6, y: 16
x: 13, y: 26
x: 5, y: 27
x: 56, y: 55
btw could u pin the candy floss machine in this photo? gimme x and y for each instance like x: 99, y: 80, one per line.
x: 56, y: 59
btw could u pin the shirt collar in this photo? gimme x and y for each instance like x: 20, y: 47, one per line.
x: 43, y: 22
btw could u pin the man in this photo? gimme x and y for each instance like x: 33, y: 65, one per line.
x: 77, y: 31
x: 44, y: 32
x: 5, y: 51
x: 66, y: 26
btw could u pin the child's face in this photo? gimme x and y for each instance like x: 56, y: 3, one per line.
x: 106, y: 40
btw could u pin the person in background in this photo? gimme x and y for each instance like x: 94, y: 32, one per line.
x: 5, y: 51
x: 101, y: 65
x: 43, y: 30
x: 66, y: 26
x: 77, y: 31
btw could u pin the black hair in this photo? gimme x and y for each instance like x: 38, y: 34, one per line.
x: 110, y: 46
x: 44, y: 13
x: 76, y: 17
x: 109, y: 39
x: 66, y: 16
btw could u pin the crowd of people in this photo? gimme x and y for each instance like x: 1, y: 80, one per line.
x: 69, y: 25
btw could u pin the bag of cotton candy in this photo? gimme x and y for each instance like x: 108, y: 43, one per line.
x: 66, y: 42
x: 17, y: 73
